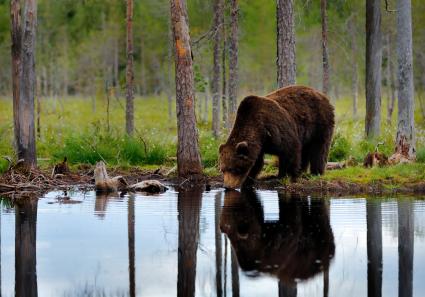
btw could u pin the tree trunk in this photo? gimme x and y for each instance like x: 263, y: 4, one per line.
x: 374, y: 248
x: 215, y: 84
x: 373, y: 68
x: 189, y: 208
x: 233, y: 61
x: 188, y: 158
x: 23, y: 77
x: 25, y: 248
x: 405, y: 248
x: 129, y: 108
x: 355, y: 77
x: 286, y: 67
x: 394, y: 92
x: 405, y: 140
x: 218, y: 244
x: 287, y: 290
x: 131, y: 246
x: 224, y: 76
x: 325, y: 85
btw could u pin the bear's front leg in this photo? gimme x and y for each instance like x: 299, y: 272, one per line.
x: 255, y: 170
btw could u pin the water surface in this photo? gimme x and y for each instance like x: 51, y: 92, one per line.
x: 216, y: 243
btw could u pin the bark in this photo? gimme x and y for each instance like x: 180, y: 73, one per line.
x: 23, y: 78
x: 373, y: 68
x: 224, y: 76
x: 393, y: 88
x: 325, y: 56
x: 286, y: 67
x: 131, y: 246
x: 25, y: 248
x: 129, y: 110
x: 374, y: 248
x: 188, y: 158
x: 233, y: 61
x: 189, y: 208
x: 405, y: 140
x: 405, y: 248
x: 215, y: 84
x: 354, y: 69
x: 218, y: 244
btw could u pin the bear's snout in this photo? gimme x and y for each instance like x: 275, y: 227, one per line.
x: 231, y: 181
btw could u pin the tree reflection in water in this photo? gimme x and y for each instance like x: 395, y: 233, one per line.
x: 296, y: 247
x: 189, y: 207
x: 25, y: 248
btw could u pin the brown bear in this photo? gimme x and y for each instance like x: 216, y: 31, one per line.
x: 294, y: 123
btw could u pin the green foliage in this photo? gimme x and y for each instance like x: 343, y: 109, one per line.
x: 340, y: 149
x: 420, y: 155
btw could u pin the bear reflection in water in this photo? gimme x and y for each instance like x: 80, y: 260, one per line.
x: 296, y: 247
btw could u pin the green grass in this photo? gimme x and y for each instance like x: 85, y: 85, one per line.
x: 76, y: 127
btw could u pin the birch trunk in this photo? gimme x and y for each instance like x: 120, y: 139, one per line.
x: 354, y: 69
x: 188, y: 157
x: 215, y: 84
x: 373, y: 68
x: 129, y: 108
x: 405, y: 139
x: 233, y: 61
x: 325, y: 55
x: 286, y: 67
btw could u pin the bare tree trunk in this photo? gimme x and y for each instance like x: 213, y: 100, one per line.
x: 189, y: 208
x: 38, y: 116
x: 23, y: 77
x: 129, y: 108
x: 286, y: 67
x: 355, y: 76
x: 374, y: 248
x: 405, y: 248
x: 143, y: 85
x: 207, y: 102
x: 188, y: 157
x: 286, y: 290
x: 218, y: 12
x: 224, y: 76
x: 115, y: 78
x: 218, y: 244
x: 373, y: 68
x: 405, y: 140
x: 388, y: 75
x: 131, y: 246
x: 25, y: 248
x: 325, y: 85
x: 233, y: 61
x: 394, y: 87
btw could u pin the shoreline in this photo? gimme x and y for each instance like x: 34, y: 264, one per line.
x: 15, y: 185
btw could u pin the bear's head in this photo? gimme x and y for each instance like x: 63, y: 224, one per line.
x: 236, y: 161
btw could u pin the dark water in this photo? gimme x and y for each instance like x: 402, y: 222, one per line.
x: 213, y: 244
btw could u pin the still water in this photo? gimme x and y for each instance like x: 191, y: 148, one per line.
x: 216, y: 243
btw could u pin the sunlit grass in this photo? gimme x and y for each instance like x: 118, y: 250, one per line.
x: 77, y: 127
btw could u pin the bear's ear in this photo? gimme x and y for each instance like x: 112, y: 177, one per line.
x: 221, y: 148
x: 242, y: 148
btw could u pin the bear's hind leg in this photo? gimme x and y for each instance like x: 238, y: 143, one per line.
x: 319, y: 154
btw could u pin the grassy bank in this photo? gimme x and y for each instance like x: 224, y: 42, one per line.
x: 81, y: 129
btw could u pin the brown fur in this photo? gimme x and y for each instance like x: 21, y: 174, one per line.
x: 297, y: 246
x: 294, y: 123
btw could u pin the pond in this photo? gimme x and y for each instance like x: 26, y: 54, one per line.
x: 216, y: 243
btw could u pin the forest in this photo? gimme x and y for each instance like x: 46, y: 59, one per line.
x: 81, y: 78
